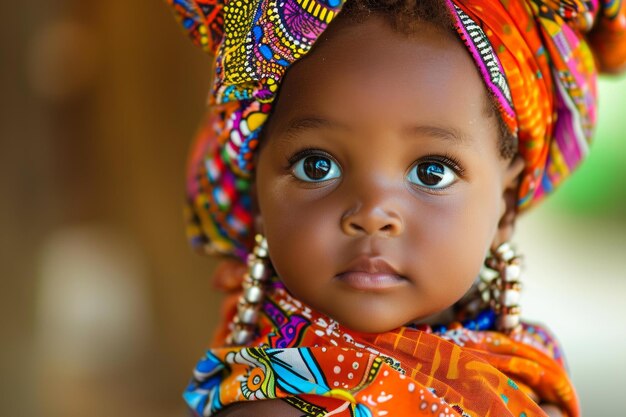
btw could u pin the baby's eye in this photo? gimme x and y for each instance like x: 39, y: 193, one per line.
x: 316, y: 168
x: 432, y: 174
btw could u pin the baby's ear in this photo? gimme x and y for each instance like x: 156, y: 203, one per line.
x: 508, y: 214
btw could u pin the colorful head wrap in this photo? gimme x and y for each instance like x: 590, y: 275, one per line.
x: 535, y: 57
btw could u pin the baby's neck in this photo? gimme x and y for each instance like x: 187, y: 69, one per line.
x: 445, y: 316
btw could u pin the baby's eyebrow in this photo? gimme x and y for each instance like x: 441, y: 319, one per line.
x: 302, y: 124
x: 445, y: 133
x: 306, y: 123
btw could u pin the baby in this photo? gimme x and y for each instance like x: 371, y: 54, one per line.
x: 397, y: 152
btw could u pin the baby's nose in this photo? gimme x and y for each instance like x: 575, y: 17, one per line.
x: 372, y: 221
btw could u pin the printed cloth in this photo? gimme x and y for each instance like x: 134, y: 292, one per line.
x: 535, y: 57
x: 323, y: 369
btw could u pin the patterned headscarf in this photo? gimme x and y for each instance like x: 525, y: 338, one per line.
x: 535, y: 57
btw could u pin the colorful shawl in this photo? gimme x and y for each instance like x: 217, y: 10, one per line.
x: 324, y: 369
x: 535, y: 57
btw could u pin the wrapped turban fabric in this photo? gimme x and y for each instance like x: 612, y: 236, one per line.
x: 538, y: 58
x: 322, y: 368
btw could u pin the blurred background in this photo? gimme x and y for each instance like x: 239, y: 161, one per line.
x: 104, y: 309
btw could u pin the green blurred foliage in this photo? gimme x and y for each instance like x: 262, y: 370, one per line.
x: 598, y: 187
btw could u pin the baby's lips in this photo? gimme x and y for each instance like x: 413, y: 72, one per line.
x: 370, y: 265
x: 366, y: 281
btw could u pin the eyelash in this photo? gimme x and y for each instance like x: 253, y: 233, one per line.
x: 304, y: 153
x: 447, y: 159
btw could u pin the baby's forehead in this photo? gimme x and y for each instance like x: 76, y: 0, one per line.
x: 366, y: 72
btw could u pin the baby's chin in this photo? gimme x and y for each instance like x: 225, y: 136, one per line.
x: 374, y: 320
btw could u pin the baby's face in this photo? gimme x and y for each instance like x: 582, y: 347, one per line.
x: 380, y: 185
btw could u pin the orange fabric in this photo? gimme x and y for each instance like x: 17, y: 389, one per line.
x: 323, y: 368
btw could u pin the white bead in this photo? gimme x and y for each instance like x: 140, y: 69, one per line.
x: 248, y: 315
x: 508, y: 255
x: 505, y: 251
x: 488, y: 274
x: 253, y: 294
x: 242, y: 336
x: 257, y: 270
x: 261, y: 241
x: 261, y: 252
x: 512, y: 272
x: 508, y: 321
x: 511, y: 298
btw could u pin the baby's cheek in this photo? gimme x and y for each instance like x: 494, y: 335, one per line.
x: 454, y: 242
x: 302, y: 242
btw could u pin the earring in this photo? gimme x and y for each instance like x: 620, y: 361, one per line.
x: 501, y: 286
x: 245, y: 326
